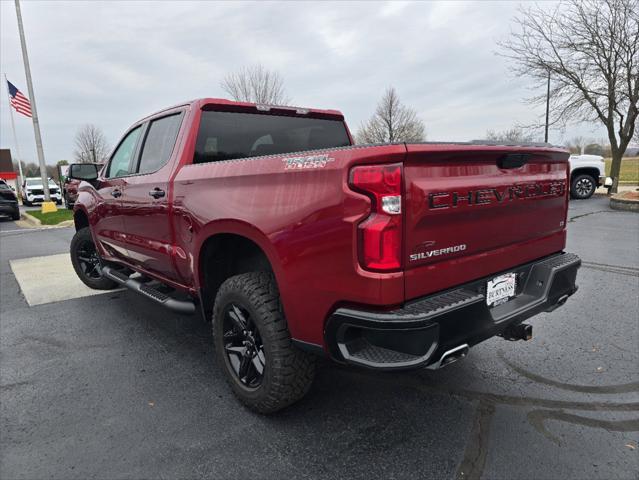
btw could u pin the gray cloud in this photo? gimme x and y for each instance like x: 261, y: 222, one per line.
x: 111, y: 63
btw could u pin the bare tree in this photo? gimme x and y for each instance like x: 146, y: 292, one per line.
x: 256, y: 84
x: 90, y: 145
x: 392, y: 122
x: 512, y: 135
x: 590, y: 50
x: 576, y: 144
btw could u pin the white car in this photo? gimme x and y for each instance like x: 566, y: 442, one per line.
x: 587, y: 172
x: 33, y: 191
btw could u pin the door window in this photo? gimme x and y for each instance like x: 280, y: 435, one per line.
x: 159, y: 143
x: 121, y: 159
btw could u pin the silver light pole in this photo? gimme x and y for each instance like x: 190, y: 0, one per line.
x: 34, y: 111
x: 547, y: 106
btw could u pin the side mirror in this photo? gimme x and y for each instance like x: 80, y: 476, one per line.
x: 83, y: 171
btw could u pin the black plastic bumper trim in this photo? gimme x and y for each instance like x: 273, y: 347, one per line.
x: 309, y: 347
x: 391, y: 340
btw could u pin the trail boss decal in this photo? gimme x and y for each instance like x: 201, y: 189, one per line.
x: 312, y: 161
x: 495, y: 195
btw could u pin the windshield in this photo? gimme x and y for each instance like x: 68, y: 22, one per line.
x: 38, y: 181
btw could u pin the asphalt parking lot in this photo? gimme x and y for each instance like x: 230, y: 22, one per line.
x: 113, y: 386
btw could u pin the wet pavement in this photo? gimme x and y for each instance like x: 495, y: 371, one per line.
x: 113, y: 386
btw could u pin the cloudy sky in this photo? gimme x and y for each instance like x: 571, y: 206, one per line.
x: 111, y: 63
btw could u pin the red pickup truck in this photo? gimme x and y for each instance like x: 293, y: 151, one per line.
x: 295, y: 242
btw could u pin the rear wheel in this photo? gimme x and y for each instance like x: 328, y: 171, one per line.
x: 86, y: 261
x: 253, y: 345
x: 582, y: 187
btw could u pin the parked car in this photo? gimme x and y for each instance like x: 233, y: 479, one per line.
x: 587, y: 172
x: 8, y: 201
x: 33, y: 191
x: 294, y: 242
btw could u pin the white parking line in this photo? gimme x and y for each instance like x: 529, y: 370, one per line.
x: 49, y: 279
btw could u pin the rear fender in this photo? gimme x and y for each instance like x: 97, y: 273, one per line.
x: 243, y: 229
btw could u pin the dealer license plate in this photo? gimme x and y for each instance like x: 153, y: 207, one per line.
x: 500, y: 289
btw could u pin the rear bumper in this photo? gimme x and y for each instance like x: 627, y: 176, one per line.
x: 423, y: 330
x: 604, y: 181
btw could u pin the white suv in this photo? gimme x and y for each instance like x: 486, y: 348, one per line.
x: 587, y: 172
x: 33, y: 191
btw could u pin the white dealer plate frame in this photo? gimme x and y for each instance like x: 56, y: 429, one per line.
x: 501, y: 289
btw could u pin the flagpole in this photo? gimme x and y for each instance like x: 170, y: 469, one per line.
x: 34, y: 111
x: 15, y: 137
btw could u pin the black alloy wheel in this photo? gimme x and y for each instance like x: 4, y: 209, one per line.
x: 89, y: 259
x: 253, y: 346
x: 243, y: 346
x: 87, y: 263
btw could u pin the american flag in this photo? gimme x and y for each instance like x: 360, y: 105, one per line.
x: 18, y: 100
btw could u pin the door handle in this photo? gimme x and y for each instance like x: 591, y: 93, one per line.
x: 116, y: 193
x: 157, y: 193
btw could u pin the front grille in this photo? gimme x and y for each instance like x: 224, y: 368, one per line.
x: 53, y: 190
x: 36, y: 192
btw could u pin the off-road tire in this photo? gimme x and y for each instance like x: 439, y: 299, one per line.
x: 582, y: 187
x: 81, y: 237
x: 288, y: 372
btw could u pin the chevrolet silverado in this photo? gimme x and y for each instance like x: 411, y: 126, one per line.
x: 294, y: 242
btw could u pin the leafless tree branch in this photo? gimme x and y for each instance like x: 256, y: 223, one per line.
x: 590, y: 48
x: 392, y: 122
x: 256, y: 84
x: 90, y: 145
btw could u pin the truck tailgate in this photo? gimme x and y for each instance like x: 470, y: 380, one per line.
x: 473, y: 210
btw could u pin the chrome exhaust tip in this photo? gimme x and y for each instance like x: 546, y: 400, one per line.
x: 450, y: 356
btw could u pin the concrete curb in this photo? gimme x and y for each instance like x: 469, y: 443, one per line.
x: 32, y: 222
x: 618, y: 202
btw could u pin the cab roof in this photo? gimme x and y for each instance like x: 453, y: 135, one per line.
x: 221, y: 104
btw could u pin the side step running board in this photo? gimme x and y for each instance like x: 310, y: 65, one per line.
x: 180, y: 306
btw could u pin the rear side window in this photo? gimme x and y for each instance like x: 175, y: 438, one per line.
x: 121, y: 159
x: 159, y: 143
x: 230, y: 135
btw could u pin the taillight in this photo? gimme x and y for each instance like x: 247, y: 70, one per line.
x: 380, y: 235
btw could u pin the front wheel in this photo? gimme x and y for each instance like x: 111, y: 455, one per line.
x: 253, y: 345
x: 582, y: 187
x: 86, y: 261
